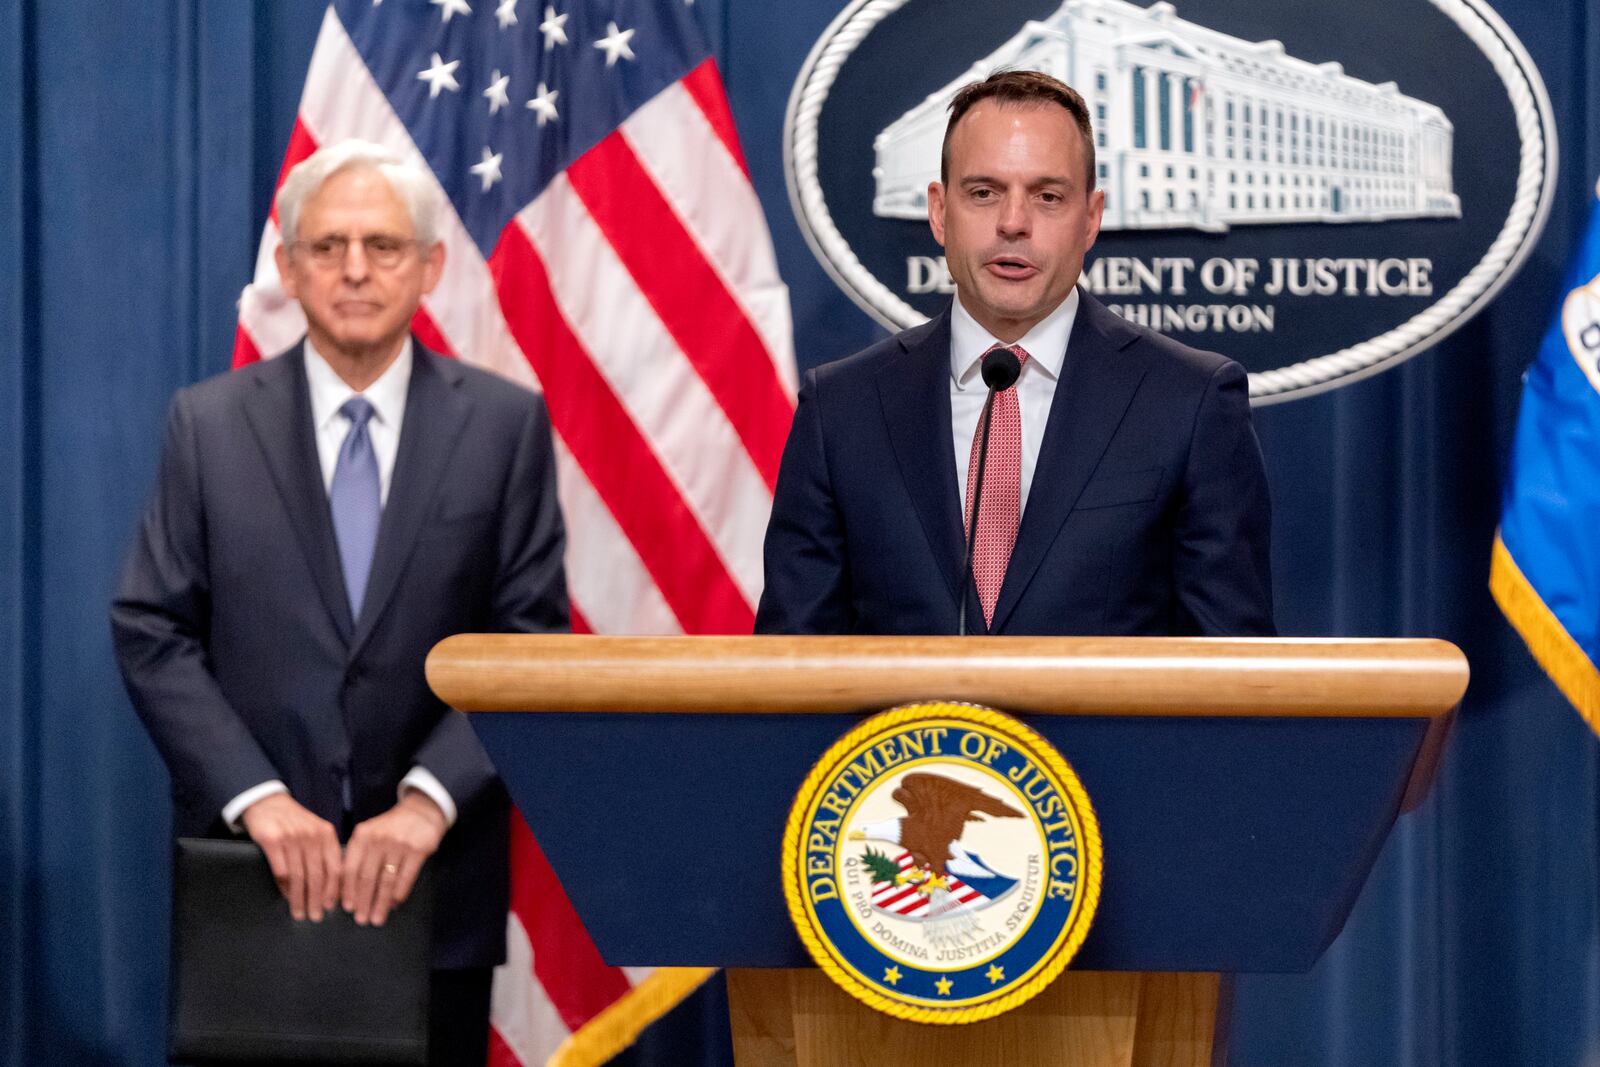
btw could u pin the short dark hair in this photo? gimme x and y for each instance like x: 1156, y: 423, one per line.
x: 1021, y: 87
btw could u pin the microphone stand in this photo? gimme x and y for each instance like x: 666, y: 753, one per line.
x: 972, y: 523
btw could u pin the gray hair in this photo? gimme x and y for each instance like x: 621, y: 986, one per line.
x: 415, y: 187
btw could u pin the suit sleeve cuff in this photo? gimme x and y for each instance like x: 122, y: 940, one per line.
x: 422, y: 780
x: 234, y: 809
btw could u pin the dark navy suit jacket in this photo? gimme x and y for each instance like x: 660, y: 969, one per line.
x: 1148, y: 511
x: 235, y: 635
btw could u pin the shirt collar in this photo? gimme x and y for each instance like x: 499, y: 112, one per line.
x: 387, y: 395
x: 1046, y: 343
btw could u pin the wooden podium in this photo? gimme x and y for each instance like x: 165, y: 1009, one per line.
x: 1244, y: 789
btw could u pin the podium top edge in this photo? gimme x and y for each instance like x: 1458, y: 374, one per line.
x: 1256, y: 677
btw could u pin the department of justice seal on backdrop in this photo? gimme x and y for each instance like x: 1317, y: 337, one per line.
x: 942, y: 863
x: 1317, y: 191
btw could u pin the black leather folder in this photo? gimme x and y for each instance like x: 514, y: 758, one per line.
x: 250, y: 983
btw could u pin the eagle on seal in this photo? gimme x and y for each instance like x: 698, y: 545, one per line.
x: 937, y: 810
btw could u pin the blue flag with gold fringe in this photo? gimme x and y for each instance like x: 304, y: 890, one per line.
x: 1545, y: 572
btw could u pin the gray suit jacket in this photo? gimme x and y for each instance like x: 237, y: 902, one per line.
x: 235, y: 636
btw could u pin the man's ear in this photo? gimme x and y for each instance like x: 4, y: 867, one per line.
x: 433, y: 266
x: 280, y: 256
x: 1097, y: 208
x: 936, y: 211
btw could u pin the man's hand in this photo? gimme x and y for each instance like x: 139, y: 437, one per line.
x: 302, y: 849
x: 386, y: 853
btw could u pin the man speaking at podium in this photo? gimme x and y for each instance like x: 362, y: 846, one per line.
x: 1122, y: 492
x: 320, y: 521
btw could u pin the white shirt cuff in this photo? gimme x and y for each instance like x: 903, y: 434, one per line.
x: 235, y: 808
x: 422, y: 780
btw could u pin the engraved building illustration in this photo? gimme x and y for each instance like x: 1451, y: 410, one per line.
x: 1197, y: 129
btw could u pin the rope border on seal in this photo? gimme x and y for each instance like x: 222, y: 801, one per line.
x: 1093, y: 859
x: 1530, y: 206
x: 848, y: 29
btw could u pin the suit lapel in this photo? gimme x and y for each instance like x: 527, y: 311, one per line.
x: 279, y: 415
x: 436, y: 413
x: 914, y: 391
x: 1098, y: 381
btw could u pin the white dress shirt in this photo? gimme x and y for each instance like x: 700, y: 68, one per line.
x: 387, y: 396
x: 1046, y: 345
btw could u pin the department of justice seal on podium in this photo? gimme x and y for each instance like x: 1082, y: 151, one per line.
x: 942, y: 863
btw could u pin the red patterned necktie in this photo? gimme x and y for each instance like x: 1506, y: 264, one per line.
x: 1002, y: 494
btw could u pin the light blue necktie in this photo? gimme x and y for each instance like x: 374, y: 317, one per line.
x: 356, y: 502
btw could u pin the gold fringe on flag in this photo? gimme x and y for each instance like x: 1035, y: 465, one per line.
x: 623, y: 1020
x: 1554, y: 649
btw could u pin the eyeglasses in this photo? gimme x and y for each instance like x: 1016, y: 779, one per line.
x: 382, y: 250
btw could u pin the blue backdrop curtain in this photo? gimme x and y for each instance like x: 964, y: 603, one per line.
x: 139, y: 142
x: 138, y: 147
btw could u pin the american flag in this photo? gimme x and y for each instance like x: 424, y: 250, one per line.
x: 607, y: 248
x: 908, y: 899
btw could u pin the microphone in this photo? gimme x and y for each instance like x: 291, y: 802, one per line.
x: 1001, y: 368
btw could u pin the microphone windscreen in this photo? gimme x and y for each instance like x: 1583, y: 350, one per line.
x: 1001, y: 367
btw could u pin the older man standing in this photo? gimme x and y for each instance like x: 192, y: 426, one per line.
x: 321, y: 520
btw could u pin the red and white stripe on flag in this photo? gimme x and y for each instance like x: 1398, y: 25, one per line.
x: 910, y: 901
x: 639, y: 292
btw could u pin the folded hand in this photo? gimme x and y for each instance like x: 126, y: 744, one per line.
x: 302, y: 849
x: 386, y: 853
